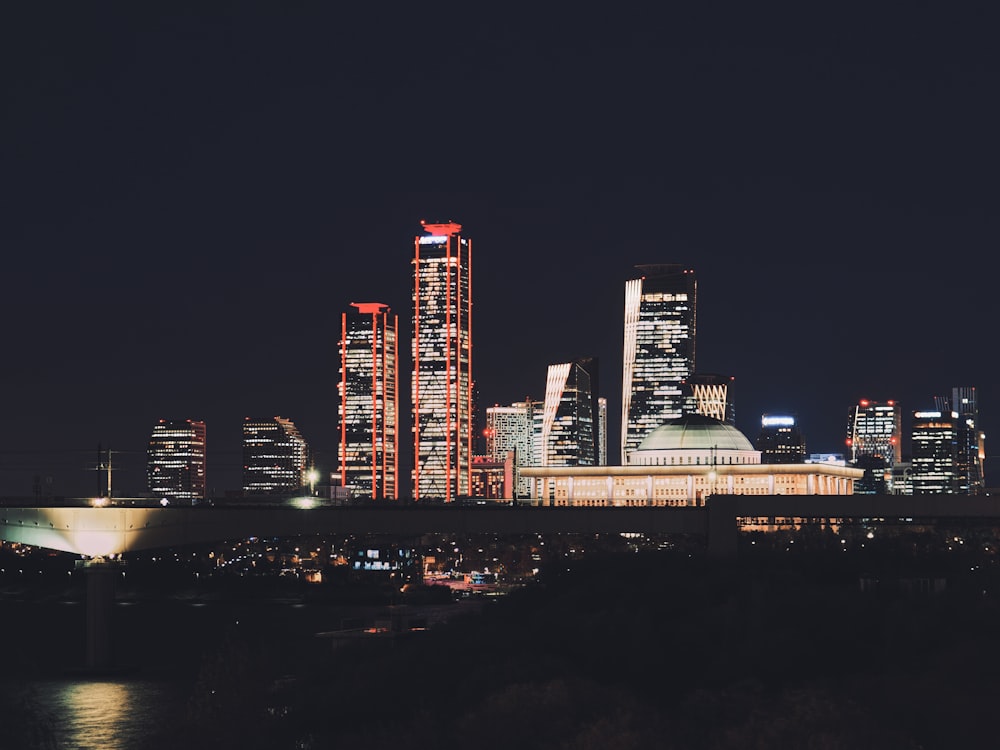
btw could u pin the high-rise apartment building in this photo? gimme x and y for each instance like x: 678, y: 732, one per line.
x: 510, y: 429
x: 659, y: 351
x: 275, y: 457
x: 441, y: 381
x: 971, y: 449
x: 780, y: 440
x: 175, y: 467
x: 570, y: 416
x: 367, y: 458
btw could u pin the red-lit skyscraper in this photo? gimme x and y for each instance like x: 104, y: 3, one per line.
x: 367, y: 459
x: 441, y: 381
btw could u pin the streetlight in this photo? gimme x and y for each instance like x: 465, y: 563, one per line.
x: 312, y: 475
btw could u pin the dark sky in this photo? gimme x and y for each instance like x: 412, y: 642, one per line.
x: 190, y: 198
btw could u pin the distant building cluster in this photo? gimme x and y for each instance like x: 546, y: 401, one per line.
x: 678, y: 443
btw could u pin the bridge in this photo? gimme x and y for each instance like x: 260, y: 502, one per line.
x: 111, y: 531
x: 102, y: 532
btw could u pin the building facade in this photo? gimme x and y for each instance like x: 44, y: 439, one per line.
x: 509, y: 429
x: 659, y: 349
x: 368, y: 455
x: 602, y: 431
x: 780, y: 440
x: 683, y: 463
x: 934, y: 441
x: 441, y: 381
x: 710, y: 394
x: 176, y: 461
x: 875, y: 441
x: 570, y: 415
x: 971, y: 449
x: 275, y: 457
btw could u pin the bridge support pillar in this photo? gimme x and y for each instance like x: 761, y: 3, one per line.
x: 723, y: 534
x: 101, y: 577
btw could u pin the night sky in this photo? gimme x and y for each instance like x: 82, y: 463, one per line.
x: 190, y: 198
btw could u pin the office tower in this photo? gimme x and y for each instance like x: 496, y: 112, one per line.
x: 971, y: 448
x: 569, y: 419
x: 873, y: 429
x: 441, y: 382
x: 873, y: 436
x: 509, y: 429
x: 275, y: 457
x: 780, y: 441
x: 934, y: 444
x: 710, y: 395
x: 659, y: 351
x: 175, y: 467
x: 602, y: 431
x: 367, y: 459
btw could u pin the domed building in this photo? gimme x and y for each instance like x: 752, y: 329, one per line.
x: 681, y: 463
x: 694, y: 439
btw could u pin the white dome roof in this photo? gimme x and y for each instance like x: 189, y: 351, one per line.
x: 695, y: 432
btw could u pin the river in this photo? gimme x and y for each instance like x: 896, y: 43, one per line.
x: 161, y: 644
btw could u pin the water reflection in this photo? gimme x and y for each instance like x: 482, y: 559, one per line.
x: 112, y: 715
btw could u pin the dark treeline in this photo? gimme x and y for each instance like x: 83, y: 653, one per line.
x: 892, y: 645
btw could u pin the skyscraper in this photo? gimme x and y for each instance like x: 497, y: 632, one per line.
x: 873, y: 429
x: 275, y: 457
x: 873, y: 436
x: 659, y: 352
x: 175, y: 467
x: 441, y: 381
x: 367, y: 459
x: 934, y: 445
x: 780, y: 441
x: 570, y: 415
x: 509, y: 428
x: 971, y: 441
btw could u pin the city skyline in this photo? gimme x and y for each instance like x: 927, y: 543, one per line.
x: 189, y: 204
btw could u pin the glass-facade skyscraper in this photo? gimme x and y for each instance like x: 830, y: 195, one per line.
x: 441, y: 380
x: 175, y: 467
x: 970, y: 451
x: 874, y: 439
x: 659, y: 350
x: 275, y: 457
x: 570, y: 415
x: 934, y: 445
x: 873, y: 429
x: 367, y: 458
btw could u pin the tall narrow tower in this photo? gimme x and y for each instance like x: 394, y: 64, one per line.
x: 367, y: 459
x: 441, y: 381
x: 660, y: 326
